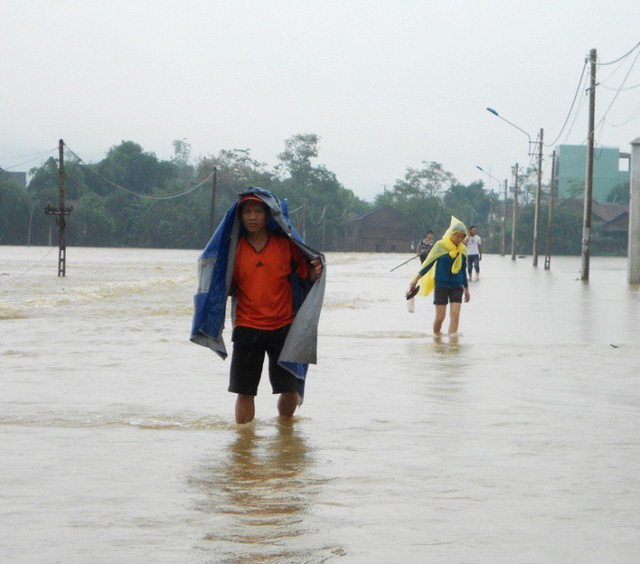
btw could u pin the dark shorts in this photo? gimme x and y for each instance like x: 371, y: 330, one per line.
x: 249, y: 348
x: 473, y: 261
x: 442, y: 296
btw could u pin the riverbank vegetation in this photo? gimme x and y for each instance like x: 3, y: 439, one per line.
x: 133, y: 199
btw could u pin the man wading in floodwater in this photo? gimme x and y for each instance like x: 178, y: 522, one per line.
x: 424, y: 246
x: 274, y: 278
x: 449, y: 277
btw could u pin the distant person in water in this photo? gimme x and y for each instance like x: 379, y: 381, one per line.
x: 424, y: 246
x: 474, y: 250
x: 448, y: 280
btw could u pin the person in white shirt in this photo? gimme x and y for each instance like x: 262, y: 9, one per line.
x: 474, y: 250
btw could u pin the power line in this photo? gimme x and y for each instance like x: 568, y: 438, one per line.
x: 29, y: 155
x: 324, y: 211
x: 634, y: 114
x: 29, y: 161
x: 623, y: 56
x: 341, y: 215
x: 138, y: 194
x: 575, y: 117
x: 35, y: 264
x: 612, y: 74
x: 571, y: 107
x: 619, y: 89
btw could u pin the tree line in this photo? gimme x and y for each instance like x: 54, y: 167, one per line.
x: 106, y: 213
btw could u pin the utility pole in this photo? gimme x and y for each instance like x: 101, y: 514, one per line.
x: 503, y: 227
x: 59, y: 214
x: 304, y: 222
x: 490, y: 219
x: 212, y: 222
x: 515, y: 216
x: 552, y: 201
x: 29, y: 232
x: 324, y: 225
x: 588, y: 182
x: 536, y: 220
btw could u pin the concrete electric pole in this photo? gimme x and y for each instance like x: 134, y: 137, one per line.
x: 536, y: 220
x: 515, y: 215
x: 588, y: 181
x: 59, y: 214
x: 552, y: 201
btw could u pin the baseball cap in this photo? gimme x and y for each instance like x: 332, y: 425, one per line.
x: 250, y: 198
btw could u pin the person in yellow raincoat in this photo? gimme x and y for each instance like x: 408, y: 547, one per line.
x: 449, y: 277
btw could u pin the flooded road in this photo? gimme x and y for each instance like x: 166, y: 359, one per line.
x: 520, y: 442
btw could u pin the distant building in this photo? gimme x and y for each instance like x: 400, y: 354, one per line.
x: 607, y: 172
x: 378, y: 231
x: 608, y: 220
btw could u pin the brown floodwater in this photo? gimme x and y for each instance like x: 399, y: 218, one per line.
x: 517, y: 441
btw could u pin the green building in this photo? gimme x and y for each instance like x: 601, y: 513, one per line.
x: 607, y: 161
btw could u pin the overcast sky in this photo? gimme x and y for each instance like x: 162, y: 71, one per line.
x: 386, y: 84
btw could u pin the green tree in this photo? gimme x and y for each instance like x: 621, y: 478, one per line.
x: 471, y: 203
x: 16, y: 208
x: 296, y: 157
x: 43, y: 191
x: 576, y: 189
x: 90, y: 223
x: 620, y: 194
x: 428, y: 181
x: 567, y: 230
x: 318, y: 201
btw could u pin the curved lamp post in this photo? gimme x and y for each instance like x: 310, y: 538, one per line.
x: 536, y: 220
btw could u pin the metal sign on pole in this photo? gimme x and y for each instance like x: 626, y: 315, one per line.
x: 59, y: 214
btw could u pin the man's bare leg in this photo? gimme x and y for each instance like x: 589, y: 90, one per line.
x: 441, y: 312
x: 245, y: 409
x: 287, y: 403
x: 454, y: 317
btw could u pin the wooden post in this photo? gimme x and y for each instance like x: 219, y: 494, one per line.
x: 514, y: 222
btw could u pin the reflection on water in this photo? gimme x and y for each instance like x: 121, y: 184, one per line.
x: 260, y: 494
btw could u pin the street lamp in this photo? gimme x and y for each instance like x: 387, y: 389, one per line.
x: 536, y: 220
x: 503, y: 225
